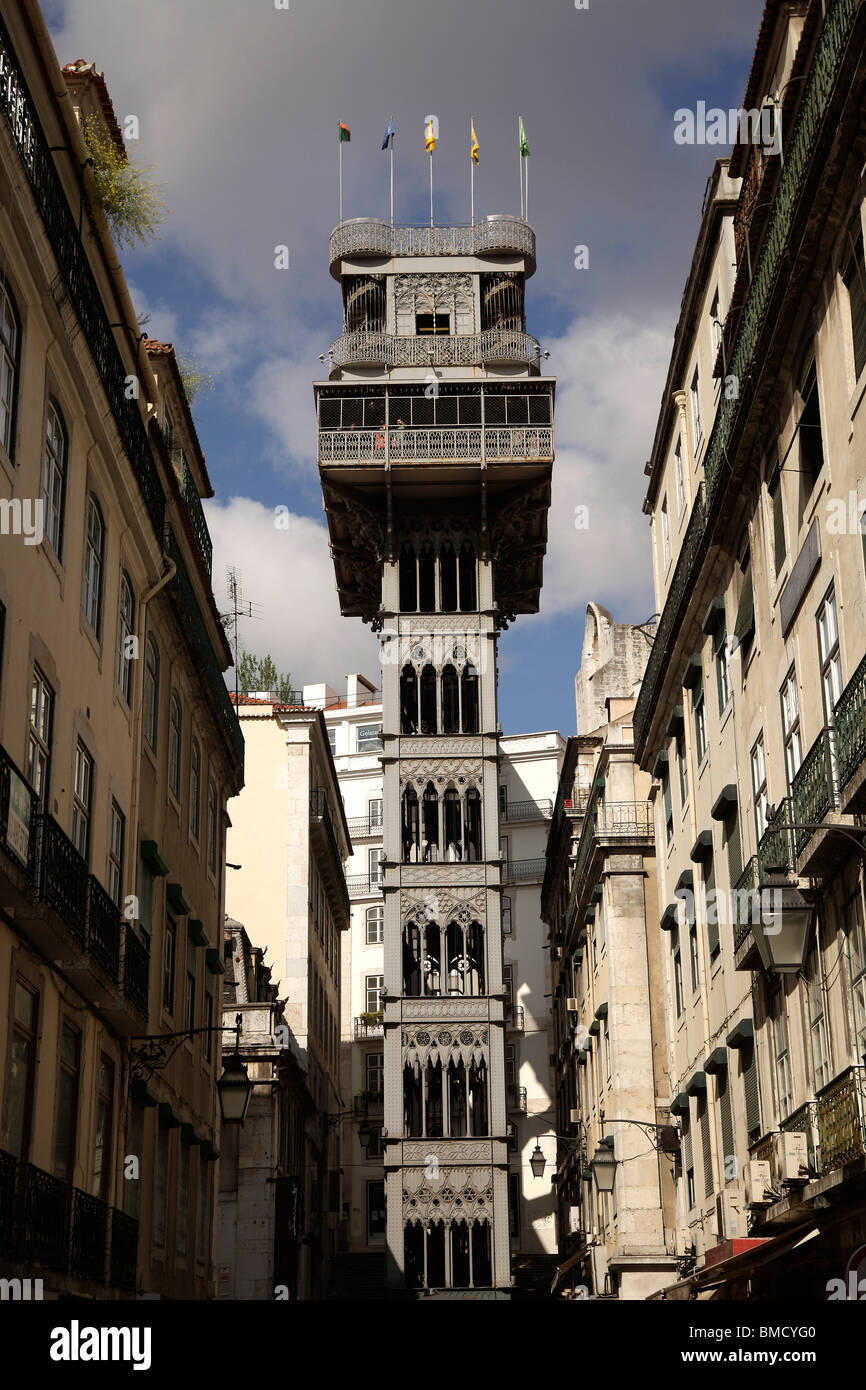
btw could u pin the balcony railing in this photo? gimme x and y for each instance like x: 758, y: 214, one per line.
x: 364, y: 885
x: 103, y: 929
x: 520, y: 444
x: 526, y: 810
x: 364, y: 827
x: 842, y: 1119
x: 515, y: 1019
x: 371, y: 236
x: 62, y: 876
x: 445, y: 350
x: 201, y: 642
x: 195, y: 512
x: 136, y: 969
x: 770, y: 262
x: 849, y: 721
x: 8, y: 1179
x: 746, y: 900
x: 523, y: 870
x: 368, y: 1103
x: 515, y: 1097
x: 61, y: 229
x: 89, y: 1236
x: 42, y: 1218
x: 369, y: 1026
x: 624, y: 820
x: 814, y: 787
x: 776, y: 847
x: 124, y: 1250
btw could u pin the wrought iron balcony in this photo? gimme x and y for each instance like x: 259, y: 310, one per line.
x: 849, y: 721
x: 124, y: 1250
x: 776, y: 847
x: 103, y: 929
x: 62, y: 876
x: 365, y: 827
x: 369, y: 1026
x: 42, y: 1218
x: 136, y: 969
x: 627, y: 821
x: 8, y: 1185
x: 201, y: 642
x: 842, y: 1119
x: 805, y: 1121
x: 61, y: 229
x: 89, y: 1236
x: 814, y: 787
x: 195, y: 512
x: 745, y: 898
x: 769, y: 263
x: 372, y: 236
x: 523, y: 870
x: 440, y: 350
x: 526, y: 810
x: 365, y: 885
x: 515, y: 1097
x: 493, y: 444
x: 368, y: 1103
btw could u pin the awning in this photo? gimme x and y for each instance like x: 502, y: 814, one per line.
x: 568, y: 1264
x: 713, y: 1275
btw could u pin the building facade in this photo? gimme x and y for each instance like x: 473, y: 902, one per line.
x: 435, y: 447
x: 263, y: 1236
x: 289, y: 842
x: 751, y: 714
x: 611, y: 1061
x: 118, y: 745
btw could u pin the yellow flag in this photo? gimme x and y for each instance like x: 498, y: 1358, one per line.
x: 473, y: 148
x: 429, y: 137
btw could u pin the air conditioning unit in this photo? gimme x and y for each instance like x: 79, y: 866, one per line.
x: 571, y: 1005
x: 791, y: 1152
x: 756, y: 1179
x: 574, y: 1225
x: 573, y: 1117
x: 731, y: 1219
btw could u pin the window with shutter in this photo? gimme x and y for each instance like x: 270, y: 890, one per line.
x: 706, y: 1146
x: 749, y: 1073
x: 712, y: 909
x: 774, y: 492
x: 726, y: 1116
x: 688, y: 1162
x: 854, y: 276
x: 734, y: 847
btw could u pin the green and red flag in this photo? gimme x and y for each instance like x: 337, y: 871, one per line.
x: 343, y: 132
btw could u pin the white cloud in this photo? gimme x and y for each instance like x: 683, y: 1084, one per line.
x: 289, y: 575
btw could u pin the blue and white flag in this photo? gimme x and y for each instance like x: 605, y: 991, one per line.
x: 389, y: 135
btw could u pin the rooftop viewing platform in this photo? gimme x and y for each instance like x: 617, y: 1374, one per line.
x: 496, y: 235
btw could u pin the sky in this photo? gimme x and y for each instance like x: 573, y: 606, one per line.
x: 238, y: 104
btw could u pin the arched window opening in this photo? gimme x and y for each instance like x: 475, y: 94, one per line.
x: 468, y: 581
x: 475, y: 959
x: 460, y: 1267
x: 452, y: 826
x: 450, y: 701
x: 457, y: 1095
x: 448, y: 579
x: 429, y: 723
x: 469, y: 692
x: 472, y: 837
x: 408, y: 580
x: 478, y: 1120
x: 456, y: 957
x: 427, y: 580
x: 411, y: 827
x: 430, y: 828
x: 408, y: 700
x: 414, y: 1247
x: 433, y: 1079
x: 412, y: 1109
x: 436, y: 1234
x: 412, y: 960
x: 432, y: 963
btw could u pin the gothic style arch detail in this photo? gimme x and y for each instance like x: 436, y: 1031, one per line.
x: 458, y: 1194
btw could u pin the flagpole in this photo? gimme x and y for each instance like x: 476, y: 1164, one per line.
x: 520, y: 163
x: 341, y: 180
x: 471, y: 172
x: 431, y: 188
x: 393, y: 137
x: 526, y: 195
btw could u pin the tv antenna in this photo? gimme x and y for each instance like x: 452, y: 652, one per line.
x: 239, y: 608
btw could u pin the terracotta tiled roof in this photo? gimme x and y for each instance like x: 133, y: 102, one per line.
x: 81, y: 69
x: 153, y: 346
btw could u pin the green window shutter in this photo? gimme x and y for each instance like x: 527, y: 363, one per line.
x: 706, y: 1146
x: 735, y: 848
x: 855, y: 283
x: 688, y: 1156
x: 666, y: 789
x: 727, y: 1119
x: 712, y: 909
x: 744, y: 626
x: 775, y: 491
x: 749, y: 1072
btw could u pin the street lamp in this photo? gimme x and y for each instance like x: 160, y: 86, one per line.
x: 537, y: 1161
x: 235, y: 1089
x: 603, y: 1166
x: 154, y: 1051
x: 782, y: 936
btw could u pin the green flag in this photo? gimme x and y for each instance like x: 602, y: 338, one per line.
x: 524, y: 143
